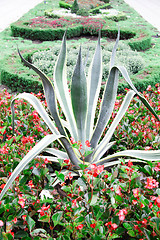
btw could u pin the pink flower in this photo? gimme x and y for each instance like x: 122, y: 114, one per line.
x: 149, y: 88
x: 74, y: 203
x: 114, y: 226
x: 79, y: 227
x: 87, y: 143
x: 151, y: 183
x: 1, y: 223
x: 136, y: 192
x: 122, y: 214
x: 96, y: 170
x: 15, y: 220
x: 21, y: 202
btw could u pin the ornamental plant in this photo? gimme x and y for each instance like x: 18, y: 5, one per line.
x: 77, y: 133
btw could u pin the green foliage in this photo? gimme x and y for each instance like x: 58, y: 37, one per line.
x: 97, y: 9
x: 79, y: 109
x: 45, y: 34
x: 125, y: 56
x: 82, y: 12
x: 140, y: 40
x: 90, y: 202
x: 119, y: 17
x: 65, y: 5
x: 75, y: 7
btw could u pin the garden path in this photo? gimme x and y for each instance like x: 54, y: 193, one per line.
x: 12, y: 10
x: 148, y: 9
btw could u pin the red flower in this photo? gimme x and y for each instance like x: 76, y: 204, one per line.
x: 136, y: 192
x: 87, y: 143
x: 79, y: 227
x: 21, y: 202
x: 96, y: 170
x: 93, y: 225
x: 151, y: 183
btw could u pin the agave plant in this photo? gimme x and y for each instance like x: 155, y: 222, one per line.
x: 79, y: 108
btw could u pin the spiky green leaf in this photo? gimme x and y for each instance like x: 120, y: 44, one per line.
x: 103, y: 146
x: 107, y: 105
x: 79, y: 97
x: 94, y: 84
x: 28, y: 158
x: 61, y: 88
x: 49, y: 94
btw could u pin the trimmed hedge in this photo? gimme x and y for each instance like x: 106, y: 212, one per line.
x: 138, y: 39
x: 18, y: 77
x: 20, y: 30
x: 65, y: 5
x: 97, y: 9
x: 22, y: 79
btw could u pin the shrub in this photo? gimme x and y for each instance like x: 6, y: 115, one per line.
x: 81, y: 134
x: 47, y: 59
x: 83, y: 12
x: 97, y: 9
x: 65, y: 5
x: 75, y: 7
x: 118, y: 17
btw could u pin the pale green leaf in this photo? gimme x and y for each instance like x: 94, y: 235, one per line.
x: 79, y: 97
x: 44, y: 142
x: 49, y: 95
x: 103, y: 146
x: 56, y: 152
x: 107, y: 106
x: 62, y: 91
x: 151, y: 155
x: 94, y: 84
x: 38, y: 107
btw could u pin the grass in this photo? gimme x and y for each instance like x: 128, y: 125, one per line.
x: 8, y: 44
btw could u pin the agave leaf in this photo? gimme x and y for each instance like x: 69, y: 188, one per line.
x: 56, y: 153
x: 52, y: 159
x: 94, y: 84
x: 109, y: 164
x: 103, y: 146
x: 38, y: 107
x: 99, y: 152
x: 49, y: 94
x: 62, y: 91
x: 152, y: 155
x: 114, y: 50
x: 107, y: 106
x: 28, y: 158
x: 79, y: 97
x: 144, y: 101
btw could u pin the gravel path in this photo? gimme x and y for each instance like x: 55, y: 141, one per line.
x: 148, y: 9
x: 12, y: 10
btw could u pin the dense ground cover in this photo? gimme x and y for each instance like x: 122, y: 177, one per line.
x: 78, y: 214
x: 121, y: 202
x: 150, y: 56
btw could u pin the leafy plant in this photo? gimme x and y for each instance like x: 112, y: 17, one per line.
x: 78, y: 130
x: 75, y: 7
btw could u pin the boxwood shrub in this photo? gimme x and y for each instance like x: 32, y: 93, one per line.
x: 138, y: 39
x: 22, y: 79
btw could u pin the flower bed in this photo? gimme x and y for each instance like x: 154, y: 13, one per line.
x: 119, y: 202
x: 87, y: 4
x: 44, y: 30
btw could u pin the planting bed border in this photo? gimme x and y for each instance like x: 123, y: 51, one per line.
x: 138, y: 39
x: 22, y: 79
